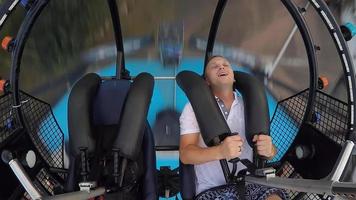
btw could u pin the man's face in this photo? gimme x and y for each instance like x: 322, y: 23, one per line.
x: 219, y: 73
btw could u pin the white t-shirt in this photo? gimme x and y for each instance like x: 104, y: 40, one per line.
x: 210, y: 174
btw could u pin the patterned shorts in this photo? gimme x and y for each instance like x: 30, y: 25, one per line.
x: 252, y: 192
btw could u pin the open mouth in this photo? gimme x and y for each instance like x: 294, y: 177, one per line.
x: 222, y: 74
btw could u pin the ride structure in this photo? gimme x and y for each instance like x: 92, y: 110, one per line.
x: 303, y: 125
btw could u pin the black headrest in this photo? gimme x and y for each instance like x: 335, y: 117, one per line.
x: 79, y: 112
x: 133, y: 116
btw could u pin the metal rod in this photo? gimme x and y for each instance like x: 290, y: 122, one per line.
x: 213, y: 29
x: 175, y: 89
x: 115, y: 17
x: 342, y: 161
x: 24, y: 179
x: 349, y: 75
x: 310, y: 50
x: 6, y: 9
x: 16, y: 57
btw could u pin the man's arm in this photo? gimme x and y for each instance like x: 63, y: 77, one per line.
x: 189, y: 150
x: 191, y: 153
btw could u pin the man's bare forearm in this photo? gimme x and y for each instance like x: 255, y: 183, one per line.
x: 193, y: 154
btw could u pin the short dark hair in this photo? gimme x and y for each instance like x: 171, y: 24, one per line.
x: 212, y: 57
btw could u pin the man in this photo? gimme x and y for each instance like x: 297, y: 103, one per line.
x: 220, y: 78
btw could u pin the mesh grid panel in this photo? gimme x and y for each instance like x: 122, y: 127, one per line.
x: 8, y: 121
x: 287, y: 170
x: 44, y: 130
x: 287, y: 120
x: 330, y: 117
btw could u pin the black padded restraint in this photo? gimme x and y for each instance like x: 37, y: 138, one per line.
x: 255, y: 107
x: 79, y: 112
x: 212, y: 124
x: 209, y: 117
x: 133, y: 117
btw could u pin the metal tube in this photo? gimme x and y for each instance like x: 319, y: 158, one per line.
x: 310, y: 50
x: 6, y: 9
x: 213, y: 30
x: 120, y: 57
x: 342, y: 161
x: 330, y: 23
x: 21, y: 38
x: 24, y: 179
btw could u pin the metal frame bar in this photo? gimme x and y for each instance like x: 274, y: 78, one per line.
x: 22, y: 36
x: 310, y: 50
x: 6, y: 9
x: 213, y: 30
x: 346, y: 60
x: 342, y: 160
x: 24, y: 179
x: 120, y: 56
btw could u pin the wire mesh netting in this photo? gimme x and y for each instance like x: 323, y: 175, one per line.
x: 8, y: 120
x: 43, y: 130
x: 288, y: 171
x: 286, y: 121
x: 329, y: 116
x: 42, y: 127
